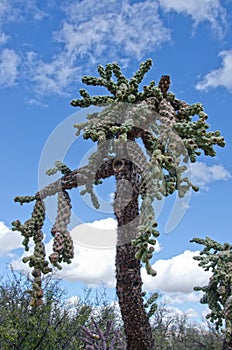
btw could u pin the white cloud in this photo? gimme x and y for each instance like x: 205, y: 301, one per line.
x: 94, y: 258
x: 202, y: 174
x: 16, y: 11
x: 4, y: 16
x: 94, y: 263
x: 200, y: 10
x: 9, y: 240
x: 114, y: 28
x: 19, y: 10
x: 3, y: 38
x: 176, y: 312
x: 92, y: 33
x: 35, y: 102
x: 30, y: 8
x: 9, y: 63
x: 175, y: 278
x: 178, y: 274
x: 221, y: 76
x: 181, y: 298
x: 91, y: 266
x: 51, y: 77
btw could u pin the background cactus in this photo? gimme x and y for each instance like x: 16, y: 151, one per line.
x: 217, y: 258
x: 171, y: 138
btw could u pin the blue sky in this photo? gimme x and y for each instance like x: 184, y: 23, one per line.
x: 45, y: 49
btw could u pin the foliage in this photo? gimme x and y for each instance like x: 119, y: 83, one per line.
x: 92, y: 323
x: 52, y: 325
x: 175, y: 331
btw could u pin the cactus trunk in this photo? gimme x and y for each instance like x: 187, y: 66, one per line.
x: 129, y: 283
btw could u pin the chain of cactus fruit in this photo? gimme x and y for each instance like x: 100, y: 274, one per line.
x: 217, y: 258
x: 169, y: 134
x: 62, y: 243
x: 33, y: 228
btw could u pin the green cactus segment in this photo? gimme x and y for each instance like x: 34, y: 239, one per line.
x: 90, y: 190
x: 62, y: 245
x: 147, y: 234
x: 32, y: 228
x: 150, y: 303
x: 122, y: 90
x: 59, y: 166
x: 24, y: 199
x: 217, y: 258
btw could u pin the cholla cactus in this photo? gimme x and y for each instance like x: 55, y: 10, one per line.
x: 217, y: 258
x: 171, y: 138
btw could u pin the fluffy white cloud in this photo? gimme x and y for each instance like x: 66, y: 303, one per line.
x: 176, y: 312
x: 51, y: 77
x: 90, y: 32
x: 4, y: 14
x: 123, y: 27
x: 200, y: 11
x: 202, y: 174
x: 15, y: 11
x: 181, y: 298
x: 9, y: 240
x: 18, y: 10
x: 219, y: 77
x: 94, y: 263
x: 94, y: 259
x: 3, y: 38
x: 9, y: 63
x: 178, y: 274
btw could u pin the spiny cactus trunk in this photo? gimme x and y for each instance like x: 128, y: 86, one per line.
x: 129, y: 288
x: 129, y: 282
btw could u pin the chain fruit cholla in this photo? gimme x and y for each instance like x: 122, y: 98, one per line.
x: 170, y: 138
